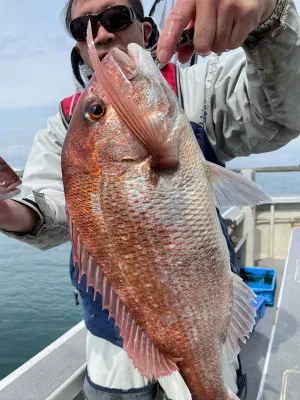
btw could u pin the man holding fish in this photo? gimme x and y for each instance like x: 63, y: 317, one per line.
x: 254, y: 108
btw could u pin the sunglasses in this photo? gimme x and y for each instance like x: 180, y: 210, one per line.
x: 113, y: 19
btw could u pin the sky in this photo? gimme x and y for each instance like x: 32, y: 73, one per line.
x: 35, y: 75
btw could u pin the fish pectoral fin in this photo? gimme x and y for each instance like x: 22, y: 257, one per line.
x: 145, y: 356
x: 242, y: 318
x: 232, y: 189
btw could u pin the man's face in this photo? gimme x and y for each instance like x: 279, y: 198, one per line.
x: 105, y: 41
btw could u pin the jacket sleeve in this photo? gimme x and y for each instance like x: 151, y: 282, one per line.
x: 253, y: 105
x: 42, y: 187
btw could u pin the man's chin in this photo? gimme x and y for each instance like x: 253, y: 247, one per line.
x: 102, y: 54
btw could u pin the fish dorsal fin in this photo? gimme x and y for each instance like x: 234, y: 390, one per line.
x: 232, y: 189
x: 242, y: 318
x: 145, y: 356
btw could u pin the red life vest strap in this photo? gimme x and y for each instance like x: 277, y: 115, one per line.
x: 168, y: 72
x: 65, y: 107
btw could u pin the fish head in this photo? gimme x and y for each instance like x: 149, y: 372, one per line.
x: 127, y: 123
x: 98, y: 142
x: 9, y: 181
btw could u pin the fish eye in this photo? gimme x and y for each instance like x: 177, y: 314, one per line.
x: 95, y: 110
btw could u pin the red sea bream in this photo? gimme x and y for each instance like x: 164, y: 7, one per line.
x: 141, y: 204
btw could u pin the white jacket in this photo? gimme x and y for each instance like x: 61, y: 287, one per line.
x: 254, y: 107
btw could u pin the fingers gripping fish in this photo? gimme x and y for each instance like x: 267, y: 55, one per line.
x: 141, y: 204
x: 9, y: 181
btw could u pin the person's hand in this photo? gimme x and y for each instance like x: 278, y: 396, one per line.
x: 16, y: 217
x: 220, y: 25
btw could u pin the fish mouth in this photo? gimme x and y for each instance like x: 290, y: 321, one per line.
x: 129, y: 62
x: 102, y: 56
x: 104, y: 51
x: 125, y: 62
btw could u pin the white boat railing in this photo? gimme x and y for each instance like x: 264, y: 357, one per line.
x: 56, y: 373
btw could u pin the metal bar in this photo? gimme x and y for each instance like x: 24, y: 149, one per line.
x: 240, y: 243
x: 278, y: 221
x: 272, y: 169
x: 249, y: 223
x: 272, y: 226
x: 239, y: 219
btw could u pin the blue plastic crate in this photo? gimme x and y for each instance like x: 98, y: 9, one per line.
x: 262, y: 281
x: 260, y: 306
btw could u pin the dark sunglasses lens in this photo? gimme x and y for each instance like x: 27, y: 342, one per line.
x: 116, y: 18
x: 113, y: 19
x: 78, y: 28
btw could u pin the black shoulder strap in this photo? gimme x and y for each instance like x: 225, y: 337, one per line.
x: 178, y: 87
x: 64, y: 118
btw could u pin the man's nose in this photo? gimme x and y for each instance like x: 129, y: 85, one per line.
x: 103, y: 36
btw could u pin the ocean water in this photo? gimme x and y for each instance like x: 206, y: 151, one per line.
x: 36, y: 296
x: 36, y: 300
x: 279, y: 183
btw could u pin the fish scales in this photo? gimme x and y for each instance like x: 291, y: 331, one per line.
x: 140, y: 198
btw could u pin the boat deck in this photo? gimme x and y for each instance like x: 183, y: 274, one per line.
x: 56, y: 373
x: 271, y: 355
x: 281, y: 374
x: 253, y: 353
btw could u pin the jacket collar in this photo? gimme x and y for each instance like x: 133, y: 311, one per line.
x: 82, y: 73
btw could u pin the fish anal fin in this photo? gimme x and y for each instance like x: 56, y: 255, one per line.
x: 242, y: 317
x: 145, y: 356
x: 232, y: 189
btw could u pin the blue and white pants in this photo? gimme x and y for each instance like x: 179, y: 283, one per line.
x: 112, y: 376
